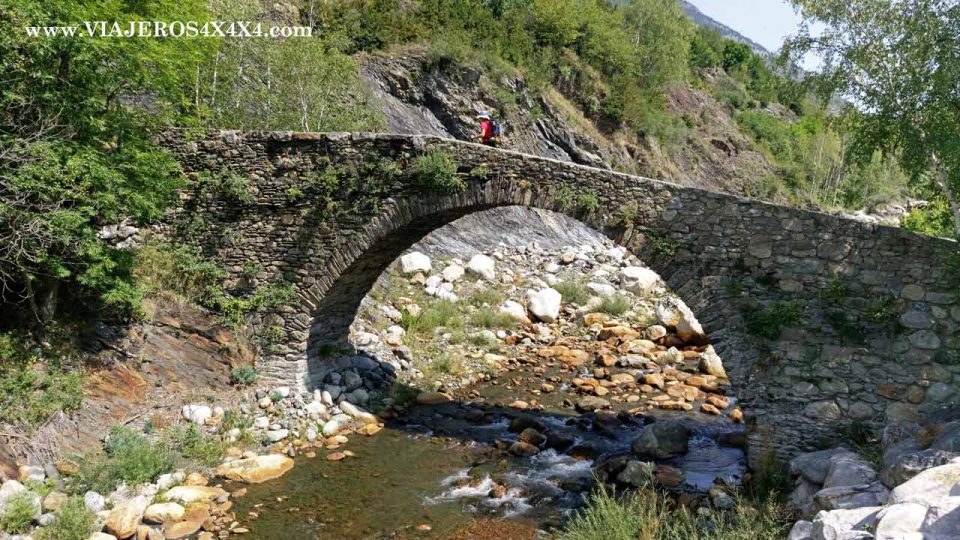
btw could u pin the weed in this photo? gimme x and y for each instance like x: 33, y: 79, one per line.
x: 485, y: 297
x: 480, y: 173
x: 32, y: 388
x: 564, y: 197
x: 588, y: 202
x: 229, y: 185
x: 244, y: 375
x: 865, y: 442
x: 767, y: 322
x: 628, y: 212
x: 128, y: 458
x: 436, y: 171
x: 732, y: 287
x: 835, y: 292
x: 194, y: 445
x: 573, y: 291
x: 442, y: 313
x: 74, y: 522
x: 18, y: 513
x: 847, y: 330
x: 491, y: 318
x: 615, y: 304
x: 663, y: 246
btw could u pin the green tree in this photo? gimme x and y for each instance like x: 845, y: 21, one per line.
x: 899, y: 63
x: 76, y: 114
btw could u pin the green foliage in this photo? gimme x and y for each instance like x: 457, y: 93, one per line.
x: 848, y: 330
x: 229, y: 185
x: 573, y: 291
x: 244, y: 375
x: 767, y: 321
x: 663, y: 246
x: 485, y: 297
x: 564, y: 197
x: 129, y: 458
x: 615, y: 304
x: 491, y: 318
x: 934, y: 219
x: 74, y: 522
x: 437, y: 171
x: 32, y: 389
x: 588, y: 202
x: 18, y: 513
x: 442, y: 313
x: 864, y: 46
x: 649, y: 515
x: 194, y: 445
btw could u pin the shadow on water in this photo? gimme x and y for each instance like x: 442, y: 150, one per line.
x: 449, y: 465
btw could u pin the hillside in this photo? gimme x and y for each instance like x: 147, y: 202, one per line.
x: 704, y: 20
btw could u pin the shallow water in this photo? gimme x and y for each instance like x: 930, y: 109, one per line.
x: 436, y: 468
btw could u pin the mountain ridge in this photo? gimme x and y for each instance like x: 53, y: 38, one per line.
x: 703, y: 19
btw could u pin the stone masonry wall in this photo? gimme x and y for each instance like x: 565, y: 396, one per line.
x: 870, y: 318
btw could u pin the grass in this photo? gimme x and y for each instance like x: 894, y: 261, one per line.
x: 193, y: 445
x: 615, y: 304
x: 18, y: 513
x: 491, y: 318
x: 129, y: 458
x: 485, y: 297
x: 32, y: 388
x: 442, y: 313
x: 768, y: 321
x: 244, y: 375
x: 573, y: 291
x: 74, y: 522
x: 649, y: 515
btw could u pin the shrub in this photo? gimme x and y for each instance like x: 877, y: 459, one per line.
x: 615, y: 304
x: 195, y: 445
x: 436, y: 171
x: 128, y: 458
x: 32, y: 390
x: 18, y: 512
x: 74, y: 522
x: 244, y: 375
x: 588, y: 202
x: 768, y: 321
x: 491, y: 318
x: 573, y: 291
x: 441, y: 313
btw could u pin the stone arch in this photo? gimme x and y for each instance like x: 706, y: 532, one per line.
x: 717, y: 252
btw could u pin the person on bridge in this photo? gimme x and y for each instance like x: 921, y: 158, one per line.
x: 490, y: 133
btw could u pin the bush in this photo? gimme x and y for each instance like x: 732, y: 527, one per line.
x: 195, y: 445
x: 436, y: 171
x: 615, y: 304
x: 768, y: 321
x: 31, y: 389
x: 18, y: 512
x: 442, y: 313
x: 74, y: 522
x: 491, y: 318
x: 128, y: 458
x: 572, y: 291
x: 244, y: 375
x: 649, y: 515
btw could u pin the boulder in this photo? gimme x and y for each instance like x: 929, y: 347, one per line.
x: 801, y: 530
x: 452, y: 273
x: 637, y: 473
x: 711, y: 364
x: 414, y: 262
x: 483, y: 266
x: 256, y: 469
x: 163, y: 512
x: 545, y: 305
x: 949, y: 438
x: 124, y: 519
x: 848, y: 470
x: 197, y: 413
x: 638, y: 280
x: 674, y: 313
x: 905, y: 466
x: 814, y: 466
x: 662, y: 440
x: 901, y: 522
x: 846, y: 497
x: 192, y: 494
x: 845, y: 524
x: 515, y: 310
x: 591, y: 403
x: 943, y: 520
x: 433, y: 398
x: 929, y: 486
x: 801, y: 498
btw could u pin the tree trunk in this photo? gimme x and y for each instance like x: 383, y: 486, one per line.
x: 943, y: 180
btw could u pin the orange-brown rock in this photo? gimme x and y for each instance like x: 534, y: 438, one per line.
x: 256, y: 470
x: 709, y: 409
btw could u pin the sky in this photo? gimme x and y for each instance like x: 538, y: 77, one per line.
x: 767, y: 22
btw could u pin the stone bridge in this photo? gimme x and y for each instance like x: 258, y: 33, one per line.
x: 821, y: 320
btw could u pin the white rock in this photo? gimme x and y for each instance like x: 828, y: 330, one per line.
x: 603, y: 289
x: 331, y: 428
x: 483, y: 266
x: 930, y: 486
x: 349, y: 409
x: 616, y: 253
x: 277, y: 435
x: 161, y: 512
x: 901, y: 522
x: 316, y: 410
x: 261, y: 422
x: 433, y: 282
x: 515, y: 310
x: 284, y: 391
x: 396, y: 330
x: 32, y: 473
x: 552, y: 268
x: 638, y: 280
x: 545, y: 304
x: 196, y: 413
x: 414, y: 262
x: 801, y: 530
x: 673, y: 312
x: 94, y: 501
x: 850, y: 524
x: 711, y: 364
x: 452, y: 273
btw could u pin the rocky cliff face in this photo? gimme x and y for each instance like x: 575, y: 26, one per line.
x: 420, y: 95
